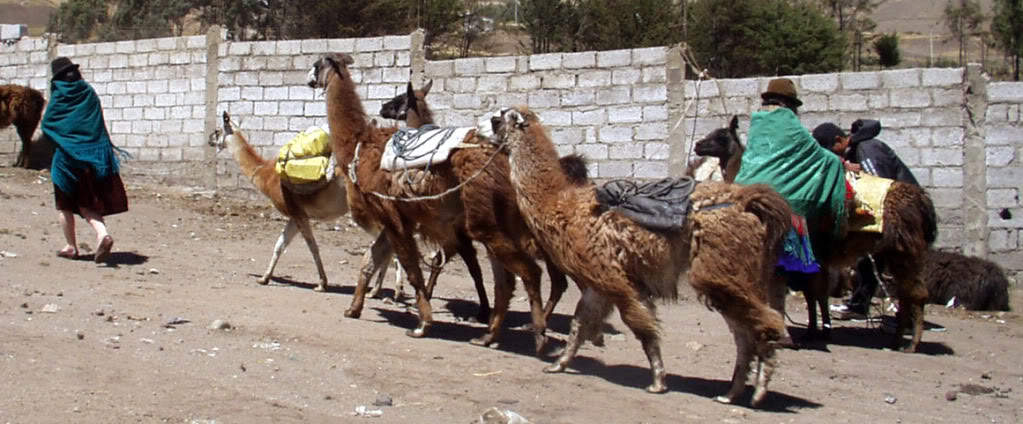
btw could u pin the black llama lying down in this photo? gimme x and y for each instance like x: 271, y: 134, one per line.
x: 975, y: 283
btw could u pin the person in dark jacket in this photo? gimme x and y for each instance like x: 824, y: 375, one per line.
x: 874, y: 157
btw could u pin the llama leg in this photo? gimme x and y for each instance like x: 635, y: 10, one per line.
x: 374, y: 259
x: 530, y: 272
x: 776, y: 293
x: 504, y: 286
x: 743, y: 356
x: 811, y: 314
x: 25, y: 133
x: 290, y: 229
x: 822, y: 304
x: 765, y: 368
x: 641, y: 318
x: 399, y: 281
x: 379, y: 284
x: 911, y: 304
x: 436, y: 264
x: 310, y: 241
x: 404, y: 245
x: 559, y: 283
x: 468, y: 254
x: 590, y: 313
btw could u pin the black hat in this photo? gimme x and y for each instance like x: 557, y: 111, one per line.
x: 60, y: 65
x: 825, y: 134
x: 783, y: 88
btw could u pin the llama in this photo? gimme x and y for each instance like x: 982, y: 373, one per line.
x: 910, y: 227
x: 411, y: 107
x: 23, y: 107
x: 480, y: 205
x: 728, y: 243
x: 975, y: 284
x: 325, y: 204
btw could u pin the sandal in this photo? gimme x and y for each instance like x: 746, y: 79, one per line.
x: 68, y: 254
x: 103, y: 251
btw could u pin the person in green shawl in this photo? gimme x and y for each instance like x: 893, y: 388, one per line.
x: 85, y: 167
x: 781, y: 153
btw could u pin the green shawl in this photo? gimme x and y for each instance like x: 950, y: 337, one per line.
x: 74, y: 121
x: 782, y: 154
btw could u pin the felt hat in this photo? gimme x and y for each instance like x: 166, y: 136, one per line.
x: 783, y: 88
x: 60, y: 65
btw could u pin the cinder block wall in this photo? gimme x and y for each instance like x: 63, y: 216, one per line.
x: 1003, y: 161
x: 609, y: 106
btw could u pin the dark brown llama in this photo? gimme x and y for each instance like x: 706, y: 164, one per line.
x: 480, y: 205
x: 728, y: 243
x: 411, y: 107
x: 23, y: 107
x: 910, y: 227
x: 975, y: 284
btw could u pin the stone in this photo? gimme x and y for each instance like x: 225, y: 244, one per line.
x: 951, y: 395
x: 220, y: 325
x: 497, y: 416
x: 383, y: 400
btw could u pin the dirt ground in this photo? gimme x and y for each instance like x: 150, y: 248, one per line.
x: 81, y: 342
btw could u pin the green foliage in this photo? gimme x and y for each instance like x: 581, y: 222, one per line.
x: 737, y: 38
x: 887, y: 49
x: 615, y: 24
x: 549, y: 24
x: 1007, y: 28
x: 76, y: 19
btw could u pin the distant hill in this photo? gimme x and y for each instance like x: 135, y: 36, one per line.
x: 34, y: 13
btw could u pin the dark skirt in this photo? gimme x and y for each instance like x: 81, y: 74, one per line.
x: 105, y: 197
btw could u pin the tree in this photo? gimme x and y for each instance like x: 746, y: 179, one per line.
x: 613, y: 24
x: 548, y: 23
x: 962, y: 20
x: 738, y: 38
x: 1007, y: 28
x: 76, y: 20
x: 887, y: 48
x: 853, y: 18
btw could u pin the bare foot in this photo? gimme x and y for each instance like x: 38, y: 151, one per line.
x: 68, y: 252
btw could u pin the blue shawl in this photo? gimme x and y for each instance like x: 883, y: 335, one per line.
x: 74, y: 121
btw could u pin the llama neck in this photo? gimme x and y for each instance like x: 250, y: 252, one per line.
x: 346, y: 117
x: 535, y: 169
x: 731, y: 163
x: 423, y: 116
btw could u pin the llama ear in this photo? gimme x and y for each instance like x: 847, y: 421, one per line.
x: 410, y: 93
x: 515, y: 116
x: 347, y: 59
x: 734, y: 125
x: 426, y: 88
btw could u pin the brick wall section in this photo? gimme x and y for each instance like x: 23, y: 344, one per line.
x: 152, y: 93
x: 24, y: 63
x: 263, y: 86
x: 1004, y: 161
x: 921, y: 111
x: 609, y: 106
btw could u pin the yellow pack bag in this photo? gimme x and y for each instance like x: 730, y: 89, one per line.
x: 306, y: 158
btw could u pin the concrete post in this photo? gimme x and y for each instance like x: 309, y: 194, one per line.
x: 213, y: 35
x: 676, y: 72
x: 975, y: 164
x: 417, y: 53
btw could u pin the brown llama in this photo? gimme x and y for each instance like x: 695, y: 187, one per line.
x: 480, y: 204
x: 910, y: 227
x: 325, y: 204
x: 23, y: 107
x: 728, y: 243
x: 411, y: 107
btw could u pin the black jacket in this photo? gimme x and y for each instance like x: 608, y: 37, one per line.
x: 874, y: 156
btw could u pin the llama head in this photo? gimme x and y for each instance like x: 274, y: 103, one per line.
x: 510, y: 124
x: 411, y: 99
x: 331, y: 65
x: 721, y: 142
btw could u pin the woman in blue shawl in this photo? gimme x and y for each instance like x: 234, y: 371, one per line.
x: 85, y: 168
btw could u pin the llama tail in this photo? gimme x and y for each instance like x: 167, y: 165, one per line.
x: 252, y: 164
x: 929, y: 216
x: 770, y: 208
x: 574, y: 166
